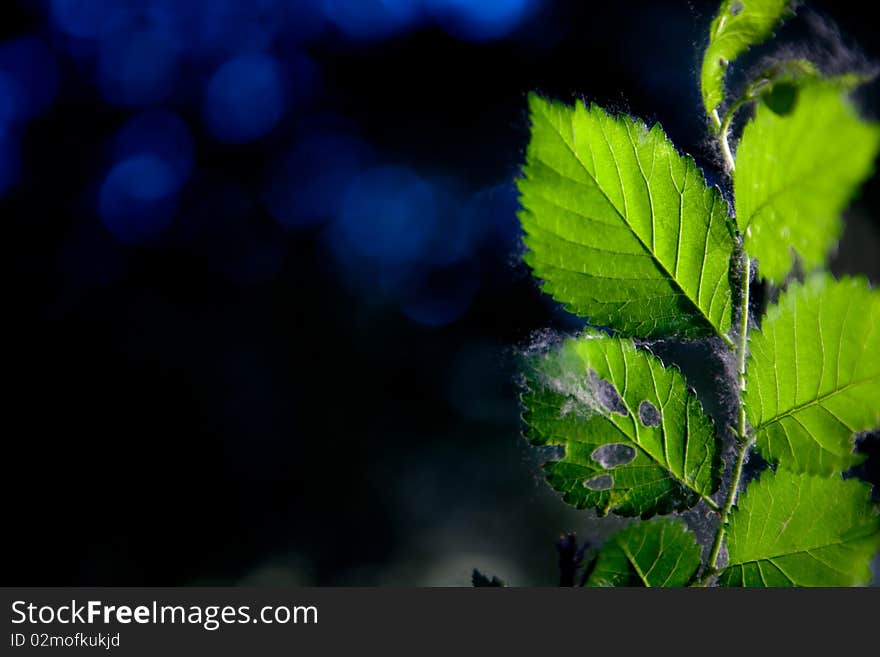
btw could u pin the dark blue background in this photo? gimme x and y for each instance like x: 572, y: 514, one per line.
x: 265, y: 293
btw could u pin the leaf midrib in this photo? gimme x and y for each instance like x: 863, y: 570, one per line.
x: 870, y: 531
x: 815, y: 402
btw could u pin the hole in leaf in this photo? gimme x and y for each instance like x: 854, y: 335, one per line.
x: 781, y: 98
x: 607, y: 395
x: 601, y: 482
x: 613, y: 455
x: 648, y: 414
x: 736, y: 8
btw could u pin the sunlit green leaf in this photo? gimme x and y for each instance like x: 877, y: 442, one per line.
x: 814, y: 374
x: 796, y: 172
x: 622, y: 229
x: 802, y: 530
x: 739, y: 25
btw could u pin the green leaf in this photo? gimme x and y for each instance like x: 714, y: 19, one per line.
x: 621, y: 228
x: 660, y: 552
x: 777, y: 84
x: 636, y: 439
x: 794, y: 529
x: 814, y: 374
x: 739, y: 25
x: 795, y: 174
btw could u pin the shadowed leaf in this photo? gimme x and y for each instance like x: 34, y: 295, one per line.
x: 613, y: 461
x: 659, y: 552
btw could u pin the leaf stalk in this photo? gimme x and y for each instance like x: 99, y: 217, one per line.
x: 723, y: 128
x: 744, y: 441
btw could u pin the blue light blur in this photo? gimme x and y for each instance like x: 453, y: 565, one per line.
x: 484, y: 20
x: 153, y: 152
x: 493, y: 210
x: 406, y: 240
x: 305, y: 188
x: 9, y: 93
x: 391, y: 230
x: 87, y: 19
x: 206, y: 28
x: 388, y: 217
x: 29, y: 79
x: 139, y: 67
x: 460, y: 233
x: 225, y: 27
x: 362, y: 20
x: 137, y: 200
x: 305, y: 21
x: 244, y: 99
x: 441, y: 297
x: 371, y: 19
x: 161, y: 133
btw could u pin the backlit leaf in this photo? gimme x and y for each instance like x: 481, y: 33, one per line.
x: 739, y: 25
x: 814, y: 374
x: 802, y: 530
x: 621, y: 228
x: 635, y: 437
x: 796, y: 172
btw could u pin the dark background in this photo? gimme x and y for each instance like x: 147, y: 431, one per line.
x: 265, y: 295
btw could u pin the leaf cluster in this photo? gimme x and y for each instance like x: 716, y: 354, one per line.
x: 624, y: 231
